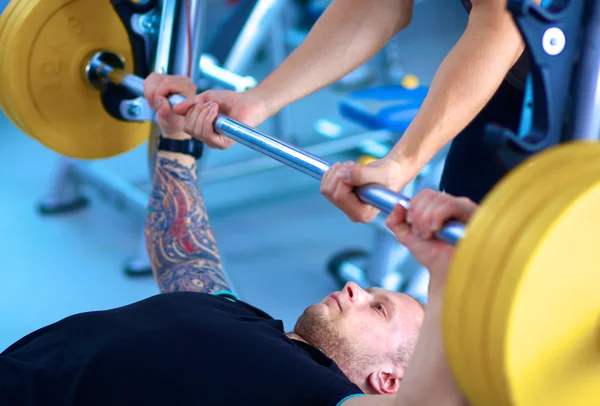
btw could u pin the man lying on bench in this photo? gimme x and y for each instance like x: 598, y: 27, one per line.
x: 196, y: 343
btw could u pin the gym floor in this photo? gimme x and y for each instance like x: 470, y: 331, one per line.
x: 274, y: 244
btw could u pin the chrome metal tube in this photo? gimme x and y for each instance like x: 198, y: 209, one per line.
x: 586, y: 116
x: 165, y: 36
x: 198, y: 21
x: 253, y: 35
x: 178, y: 64
x: 211, y: 71
x: 289, y: 155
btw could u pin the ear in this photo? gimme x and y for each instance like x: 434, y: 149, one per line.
x: 385, y: 382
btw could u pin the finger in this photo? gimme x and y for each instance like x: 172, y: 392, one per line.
x: 182, y: 85
x: 403, y: 234
x: 329, y: 181
x: 325, y: 180
x: 190, y: 120
x: 367, y: 212
x: 358, y: 210
x: 355, y: 174
x: 170, y: 87
x: 150, y: 85
x: 208, y: 128
x: 433, y: 204
x: 186, y: 105
x: 163, y: 108
x: 396, y: 217
x: 468, y: 208
x: 219, y: 140
x: 415, y: 210
x: 336, y: 178
x: 445, y: 211
x: 200, y: 99
x: 349, y: 203
x: 188, y: 88
x: 451, y: 208
x: 198, y: 125
x: 417, y: 205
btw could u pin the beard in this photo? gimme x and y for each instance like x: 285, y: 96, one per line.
x: 320, y: 331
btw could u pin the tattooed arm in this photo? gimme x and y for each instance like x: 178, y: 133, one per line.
x: 180, y: 242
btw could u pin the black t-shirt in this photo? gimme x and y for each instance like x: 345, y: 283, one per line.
x: 171, y: 349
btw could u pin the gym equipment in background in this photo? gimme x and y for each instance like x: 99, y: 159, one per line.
x: 521, y: 312
x: 520, y: 326
x: 149, y: 35
x: 159, y: 42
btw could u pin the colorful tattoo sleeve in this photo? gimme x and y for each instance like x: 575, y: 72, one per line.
x: 180, y: 242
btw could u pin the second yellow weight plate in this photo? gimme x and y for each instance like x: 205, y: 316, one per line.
x: 47, y: 88
x: 546, y: 309
x: 551, y: 186
x: 478, y: 266
x: 472, y: 273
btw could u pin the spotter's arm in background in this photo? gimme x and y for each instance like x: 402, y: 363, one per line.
x: 465, y: 81
x: 346, y: 36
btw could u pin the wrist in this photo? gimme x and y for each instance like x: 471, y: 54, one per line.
x: 402, y: 168
x: 266, y: 103
x: 399, y: 172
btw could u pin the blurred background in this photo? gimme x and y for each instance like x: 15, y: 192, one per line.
x: 283, y: 245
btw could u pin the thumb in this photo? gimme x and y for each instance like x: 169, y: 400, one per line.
x: 361, y: 175
x: 164, y: 107
x: 404, y: 235
x: 183, y: 107
x: 396, y: 217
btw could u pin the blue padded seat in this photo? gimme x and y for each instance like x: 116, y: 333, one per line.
x: 383, y: 107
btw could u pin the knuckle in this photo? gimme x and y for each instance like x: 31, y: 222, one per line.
x: 438, y: 213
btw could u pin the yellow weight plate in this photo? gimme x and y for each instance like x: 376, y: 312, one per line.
x: 547, y: 310
x: 463, y: 279
x: 545, y: 190
x: 7, y: 24
x: 478, y: 265
x: 478, y: 291
x: 11, y: 32
x: 5, y: 19
x: 13, y: 27
x: 478, y: 310
x: 49, y: 91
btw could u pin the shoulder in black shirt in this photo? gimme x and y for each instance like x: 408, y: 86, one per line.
x: 171, y: 349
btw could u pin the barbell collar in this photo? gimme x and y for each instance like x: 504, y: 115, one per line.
x: 294, y: 157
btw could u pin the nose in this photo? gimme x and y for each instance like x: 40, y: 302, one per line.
x: 355, y: 293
